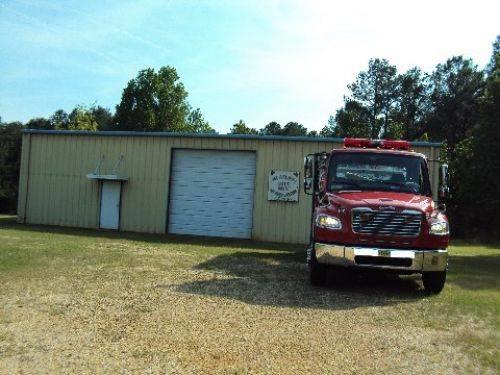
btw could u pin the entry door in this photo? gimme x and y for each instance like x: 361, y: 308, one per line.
x: 110, y: 205
x: 211, y: 193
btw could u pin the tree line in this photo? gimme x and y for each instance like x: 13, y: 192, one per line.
x: 457, y: 104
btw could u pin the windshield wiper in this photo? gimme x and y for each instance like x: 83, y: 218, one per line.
x: 361, y: 177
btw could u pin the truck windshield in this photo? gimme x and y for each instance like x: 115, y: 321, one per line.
x: 378, y: 172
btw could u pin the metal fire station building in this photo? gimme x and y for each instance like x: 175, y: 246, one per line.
x: 241, y: 186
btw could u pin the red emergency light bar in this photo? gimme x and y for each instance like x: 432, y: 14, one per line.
x: 377, y: 143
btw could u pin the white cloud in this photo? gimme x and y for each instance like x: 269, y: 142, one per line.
x: 255, y: 60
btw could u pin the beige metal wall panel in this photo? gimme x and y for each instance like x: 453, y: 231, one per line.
x: 58, y: 191
x: 432, y: 154
x: 54, y: 188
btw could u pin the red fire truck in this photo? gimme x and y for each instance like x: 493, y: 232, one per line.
x: 373, y: 209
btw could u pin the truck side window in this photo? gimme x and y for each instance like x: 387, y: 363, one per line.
x: 424, y: 182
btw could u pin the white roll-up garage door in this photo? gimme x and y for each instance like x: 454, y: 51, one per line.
x: 211, y: 193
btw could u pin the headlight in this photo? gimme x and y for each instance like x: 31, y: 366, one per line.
x: 441, y: 228
x: 329, y: 222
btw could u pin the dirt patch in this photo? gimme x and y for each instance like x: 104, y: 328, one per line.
x: 162, y: 309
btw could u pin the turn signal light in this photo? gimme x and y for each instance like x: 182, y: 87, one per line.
x: 377, y: 143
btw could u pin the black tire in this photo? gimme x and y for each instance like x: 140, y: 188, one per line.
x: 317, y: 272
x: 434, y: 281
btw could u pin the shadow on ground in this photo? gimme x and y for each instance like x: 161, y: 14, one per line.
x: 278, y: 275
x: 478, y: 272
x: 281, y: 280
x: 9, y: 222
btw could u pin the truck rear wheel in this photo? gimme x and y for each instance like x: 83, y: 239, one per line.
x: 434, y: 281
x: 317, y: 272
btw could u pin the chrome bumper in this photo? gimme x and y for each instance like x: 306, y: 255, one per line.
x: 398, y: 259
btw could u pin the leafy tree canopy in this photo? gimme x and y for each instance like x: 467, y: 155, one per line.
x: 294, y: 129
x: 273, y: 128
x: 82, y: 118
x: 10, y: 156
x: 103, y: 117
x: 412, y: 104
x: 375, y: 90
x: 477, y: 162
x: 196, y: 123
x: 241, y: 128
x: 59, y: 120
x: 313, y: 133
x: 39, y: 123
x: 153, y: 101
x: 353, y: 120
x: 457, y: 86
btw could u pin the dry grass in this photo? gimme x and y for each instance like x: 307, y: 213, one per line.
x: 83, y: 301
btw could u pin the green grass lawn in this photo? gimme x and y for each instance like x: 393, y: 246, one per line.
x: 75, y: 300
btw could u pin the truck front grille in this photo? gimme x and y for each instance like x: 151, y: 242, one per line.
x: 405, y: 223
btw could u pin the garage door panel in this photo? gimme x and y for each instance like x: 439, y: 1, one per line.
x: 215, y: 181
x: 211, y: 216
x: 211, y: 177
x: 200, y: 157
x: 214, y: 164
x: 229, y: 208
x: 203, y: 189
x: 224, y: 194
x: 223, y: 223
x: 210, y: 231
x: 209, y: 169
x: 211, y: 193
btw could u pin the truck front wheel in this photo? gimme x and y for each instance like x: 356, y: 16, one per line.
x: 317, y: 272
x: 434, y: 281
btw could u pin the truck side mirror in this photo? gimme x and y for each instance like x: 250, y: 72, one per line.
x: 443, y: 181
x: 321, y: 170
x: 309, y: 174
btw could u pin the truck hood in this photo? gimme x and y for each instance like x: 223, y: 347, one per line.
x: 381, y: 199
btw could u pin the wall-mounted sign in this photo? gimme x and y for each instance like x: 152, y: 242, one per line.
x: 283, y: 186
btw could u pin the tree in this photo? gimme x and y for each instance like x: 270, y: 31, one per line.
x: 39, y: 123
x: 273, y: 128
x: 196, y: 123
x: 476, y: 165
x: 490, y: 68
x: 412, y: 105
x: 329, y: 129
x: 313, y: 133
x: 10, y: 156
x: 457, y: 87
x: 241, y: 128
x: 354, y: 120
x: 294, y: 129
x: 396, y: 130
x: 59, y: 120
x: 103, y: 117
x: 374, y: 89
x: 153, y: 101
x: 81, y: 118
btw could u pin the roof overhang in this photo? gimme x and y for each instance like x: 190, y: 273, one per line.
x: 204, y: 135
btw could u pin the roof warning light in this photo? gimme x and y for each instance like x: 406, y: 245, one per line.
x: 377, y: 143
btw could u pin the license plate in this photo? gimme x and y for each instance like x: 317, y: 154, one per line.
x: 384, y: 253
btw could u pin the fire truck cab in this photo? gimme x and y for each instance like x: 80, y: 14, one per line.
x: 373, y: 209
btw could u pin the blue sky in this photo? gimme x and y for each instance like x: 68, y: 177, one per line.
x: 259, y: 61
